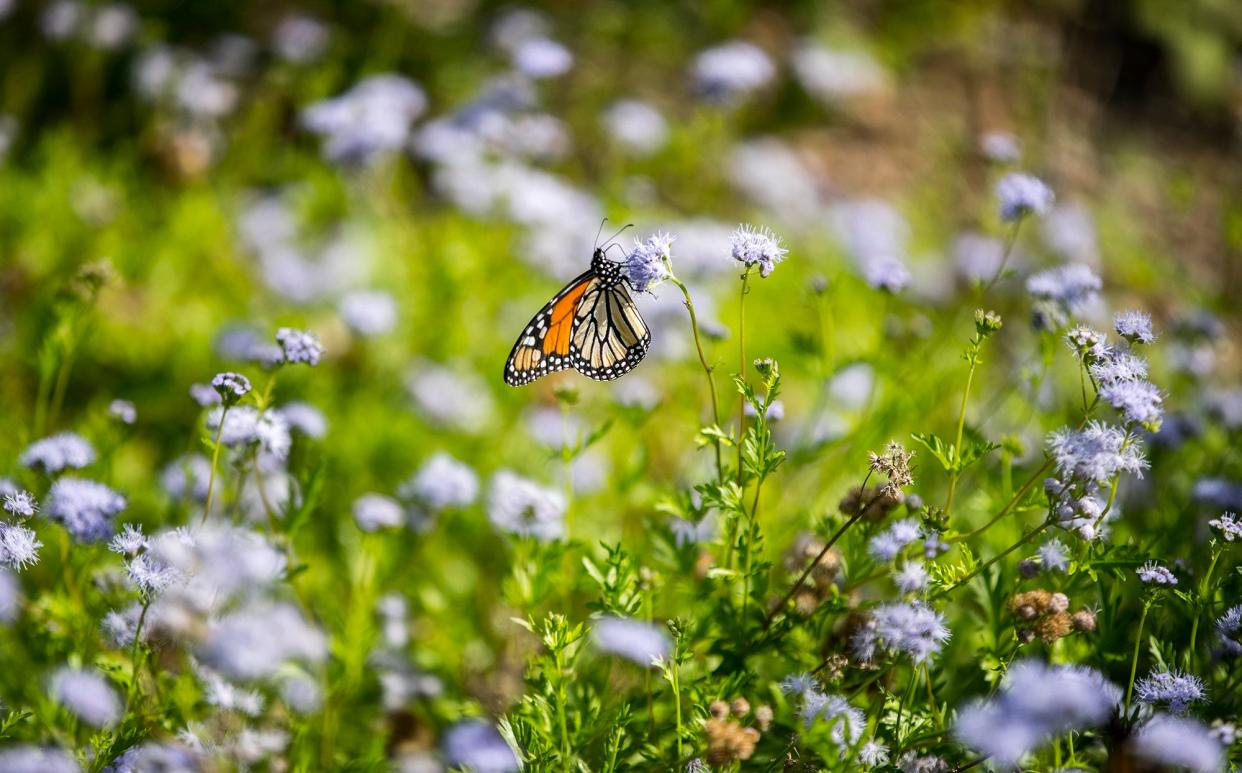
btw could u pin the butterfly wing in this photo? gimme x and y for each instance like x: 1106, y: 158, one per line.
x: 544, y: 345
x: 609, y: 336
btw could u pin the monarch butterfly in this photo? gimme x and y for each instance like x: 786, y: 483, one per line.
x: 592, y: 325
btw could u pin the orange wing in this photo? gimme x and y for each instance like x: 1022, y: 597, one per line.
x: 544, y: 345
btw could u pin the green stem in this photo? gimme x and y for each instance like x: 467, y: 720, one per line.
x: 741, y: 370
x: 1009, y: 243
x: 561, y: 699
x: 62, y: 385
x: 1017, y: 497
x: 982, y: 567
x: 750, y: 536
x: 215, y: 460
x: 675, y: 681
x: 1203, y: 594
x: 135, y: 663
x: 707, y: 370
x: 1138, y: 640
x: 862, y: 508
x: 961, y: 426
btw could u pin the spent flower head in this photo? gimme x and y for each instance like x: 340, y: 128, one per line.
x: 757, y: 247
x: 893, y: 464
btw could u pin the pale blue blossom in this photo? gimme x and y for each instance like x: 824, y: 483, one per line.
x: 1228, y: 524
x: 87, y: 695
x: 84, y: 507
x: 442, y: 482
x: 731, y: 71
x: 1096, y: 453
x: 1229, y: 631
x: 913, y: 629
x: 1178, y: 742
x: 1175, y: 689
x: 542, y: 58
x: 371, y: 119
x: 304, y: 418
x: 19, y: 547
x: 25, y: 758
x: 476, y: 746
x: 299, y: 346
x: 635, y: 640
x: 1000, y: 147
x: 67, y: 450
x: 1134, y: 326
x: 299, y: 38
x: 373, y: 512
x: 1139, y: 402
x: 1053, y: 557
x: 20, y: 503
x: 369, y: 313
x: 524, y: 508
x: 635, y: 125
x: 230, y: 387
x: 123, y: 411
x: 757, y: 247
x: 1021, y: 195
x: 1152, y: 573
x: 647, y: 264
x: 912, y: 578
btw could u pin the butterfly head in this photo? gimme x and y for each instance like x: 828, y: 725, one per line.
x: 609, y: 271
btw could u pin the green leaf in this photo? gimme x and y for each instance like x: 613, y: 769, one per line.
x: 938, y: 448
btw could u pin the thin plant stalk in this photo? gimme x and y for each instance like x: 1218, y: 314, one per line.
x: 215, y: 460
x: 1138, y: 640
x: 1010, y: 241
x: 707, y: 370
x: 984, y: 566
x: 957, y: 444
x: 1203, y: 592
x: 741, y: 370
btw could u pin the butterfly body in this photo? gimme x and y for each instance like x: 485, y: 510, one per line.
x: 592, y: 325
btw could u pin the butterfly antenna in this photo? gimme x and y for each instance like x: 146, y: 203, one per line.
x: 618, y: 233
x: 600, y: 231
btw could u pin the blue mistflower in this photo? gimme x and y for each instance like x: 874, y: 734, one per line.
x: 1118, y: 366
x: 299, y: 346
x: 731, y: 71
x: 523, y: 507
x: 84, y: 507
x: 23, y: 758
x: 1068, y: 290
x: 442, y: 482
x: 886, y: 545
x: 913, y: 628
x: 1228, y: 524
x: 647, y: 264
x: 873, y: 754
x: 21, y: 504
x: 1229, y: 630
x: 1176, y: 689
x: 58, y: 452
x: 304, y: 418
x: 1021, y: 195
x: 1134, y: 326
x: 476, y: 745
x: 1053, y: 556
x: 1152, y: 573
x: 757, y: 247
x: 87, y: 695
x: 542, y: 58
x: 912, y: 578
x: 376, y: 511
x: 635, y: 640
x: 1178, y: 742
x: 1138, y: 401
x: 123, y: 411
x: 369, y: 312
x: 19, y: 547
x: 130, y: 541
x: 231, y: 387
x: 369, y: 120
x: 1095, y: 453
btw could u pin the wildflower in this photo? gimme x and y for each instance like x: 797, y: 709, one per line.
x: 633, y: 640
x: 647, y: 264
x: 123, y: 411
x: 886, y: 545
x: 755, y: 247
x: 522, y: 507
x: 1036, y: 703
x: 773, y: 175
x: 1095, y: 453
x: 912, y: 578
x: 130, y: 541
x: 369, y: 312
x: 1228, y: 524
x: 1176, y: 689
x: 731, y: 71
x: 873, y: 754
x: 58, y: 452
x: 1139, y: 402
x: 977, y: 257
x: 121, y: 626
x: 1083, y: 620
x: 1228, y: 628
x: 304, y: 418
x: 1088, y: 344
x: 1000, y: 147
x: 10, y: 597
x: 25, y: 758
x: 475, y: 745
x: 893, y: 464
x: 912, y: 628
x: 204, y: 394
x: 151, y: 575
x: 231, y: 387
x: 832, y: 75
x: 112, y: 26
x: 1021, y: 195
x: 875, y: 234
x: 1152, y: 573
x: 227, y: 696
x: 299, y: 346
x: 371, y: 119
x: 447, y: 397
x: 1225, y: 733
x: 299, y: 38
x: 1070, y: 290
x: 1053, y: 557
x: 1116, y: 367
x: 85, y: 508
x: 637, y: 126
x: 256, y: 640
x: 22, y: 504
x: 19, y: 547
x: 1134, y: 326
x: 87, y: 695
x: 376, y: 511
x: 1178, y: 742
x: 186, y: 478
x: 442, y: 482
x: 542, y: 58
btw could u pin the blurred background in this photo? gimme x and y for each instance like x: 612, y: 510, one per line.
x: 412, y: 179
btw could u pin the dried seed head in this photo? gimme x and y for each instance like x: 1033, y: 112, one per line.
x: 1026, y: 636
x: 806, y: 602
x: 718, y: 709
x: 764, y: 716
x: 740, y: 707
x: 1083, y: 620
x: 1058, y: 603
x: 728, y: 741
x: 1054, y: 626
x: 1028, y: 568
x: 1036, y: 600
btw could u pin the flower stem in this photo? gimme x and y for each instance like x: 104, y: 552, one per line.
x: 707, y: 370
x: 957, y: 444
x: 750, y: 536
x: 982, y: 567
x: 741, y: 370
x: 215, y: 460
x: 1017, y: 497
x: 135, y: 663
x: 1010, y: 241
x: 862, y: 508
x: 1203, y: 593
x: 1138, y: 639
